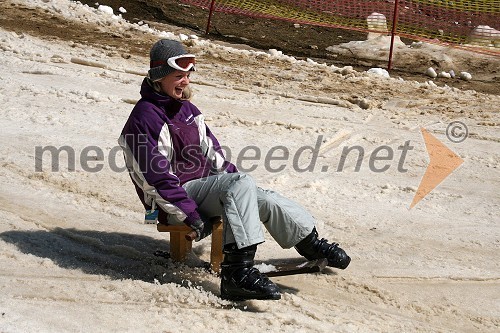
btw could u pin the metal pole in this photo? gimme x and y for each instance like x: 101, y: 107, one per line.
x: 393, y: 32
x: 212, y: 6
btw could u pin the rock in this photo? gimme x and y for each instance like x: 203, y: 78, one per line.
x: 444, y: 74
x: 431, y: 72
x: 465, y: 76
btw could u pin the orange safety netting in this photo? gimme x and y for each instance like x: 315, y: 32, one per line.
x: 455, y: 22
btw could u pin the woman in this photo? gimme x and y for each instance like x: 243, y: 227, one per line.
x: 179, y: 171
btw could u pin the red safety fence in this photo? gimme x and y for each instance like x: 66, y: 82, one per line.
x: 472, y: 24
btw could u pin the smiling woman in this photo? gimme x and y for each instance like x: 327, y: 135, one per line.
x: 180, y: 173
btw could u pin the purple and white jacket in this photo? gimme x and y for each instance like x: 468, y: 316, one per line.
x: 166, y: 144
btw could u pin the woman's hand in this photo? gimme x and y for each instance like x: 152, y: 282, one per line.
x: 198, y: 226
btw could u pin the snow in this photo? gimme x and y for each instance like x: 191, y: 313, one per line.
x: 379, y: 71
x: 75, y: 255
x: 105, y: 9
x: 265, y: 268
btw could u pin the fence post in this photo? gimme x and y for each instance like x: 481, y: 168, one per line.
x: 212, y: 5
x: 393, y: 32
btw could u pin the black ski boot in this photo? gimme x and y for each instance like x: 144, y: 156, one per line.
x: 312, y: 248
x: 240, y: 280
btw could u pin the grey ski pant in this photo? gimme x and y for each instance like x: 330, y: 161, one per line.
x: 244, y: 207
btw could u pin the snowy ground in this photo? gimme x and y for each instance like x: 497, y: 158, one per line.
x: 75, y: 256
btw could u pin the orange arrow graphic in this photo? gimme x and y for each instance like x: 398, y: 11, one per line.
x: 442, y: 163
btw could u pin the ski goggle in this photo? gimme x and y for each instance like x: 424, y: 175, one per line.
x: 184, y: 62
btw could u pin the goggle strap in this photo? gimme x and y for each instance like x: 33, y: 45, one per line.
x: 157, y: 63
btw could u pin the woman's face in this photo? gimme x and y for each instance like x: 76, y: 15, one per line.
x: 174, y: 84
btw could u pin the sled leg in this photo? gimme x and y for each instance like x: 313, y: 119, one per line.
x: 216, y: 249
x: 181, y: 242
x: 179, y: 246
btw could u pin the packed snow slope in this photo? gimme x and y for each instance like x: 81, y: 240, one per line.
x: 75, y: 255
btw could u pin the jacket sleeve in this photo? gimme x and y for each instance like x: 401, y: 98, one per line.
x: 148, y: 152
x: 219, y: 162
